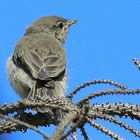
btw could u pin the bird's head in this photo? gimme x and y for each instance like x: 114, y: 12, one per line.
x: 54, y: 25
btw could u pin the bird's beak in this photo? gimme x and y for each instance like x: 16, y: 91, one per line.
x: 70, y: 22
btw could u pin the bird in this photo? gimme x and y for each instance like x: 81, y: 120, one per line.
x: 37, y: 67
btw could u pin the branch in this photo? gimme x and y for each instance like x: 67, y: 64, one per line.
x: 104, y: 130
x: 121, y: 124
x: 109, y: 92
x: 35, y: 120
x: 26, y: 125
x: 93, y: 82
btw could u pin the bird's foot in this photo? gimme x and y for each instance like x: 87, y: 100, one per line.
x: 50, y: 84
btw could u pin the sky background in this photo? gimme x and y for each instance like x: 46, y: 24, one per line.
x: 100, y: 46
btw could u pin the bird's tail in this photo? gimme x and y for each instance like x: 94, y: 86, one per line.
x: 41, y: 95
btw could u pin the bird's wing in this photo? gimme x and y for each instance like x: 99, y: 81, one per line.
x: 43, y: 62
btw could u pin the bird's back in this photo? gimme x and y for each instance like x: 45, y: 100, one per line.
x: 41, y: 54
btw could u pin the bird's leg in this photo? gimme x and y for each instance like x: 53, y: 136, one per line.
x: 32, y: 91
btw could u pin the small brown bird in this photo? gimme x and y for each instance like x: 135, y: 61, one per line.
x: 38, y: 64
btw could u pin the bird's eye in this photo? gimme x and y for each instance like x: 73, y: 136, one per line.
x: 60, y: 25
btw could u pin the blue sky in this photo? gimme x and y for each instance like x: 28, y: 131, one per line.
x: 100, y: 46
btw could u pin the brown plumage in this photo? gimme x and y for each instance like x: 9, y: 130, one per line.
x: 38, y: 65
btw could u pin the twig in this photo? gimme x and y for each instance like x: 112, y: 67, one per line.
x: 121, y: 124
x: 109, y: 92
x: 38, y: 119
x: 62, y: 125
x: 84, y: 134
x: 81, y: 120
x: 136, y: 62
x: 26, y: 125
x: 104, y: 130
x: 110, y: 82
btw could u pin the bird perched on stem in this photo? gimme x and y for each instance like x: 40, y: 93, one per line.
x: 38, y: 64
